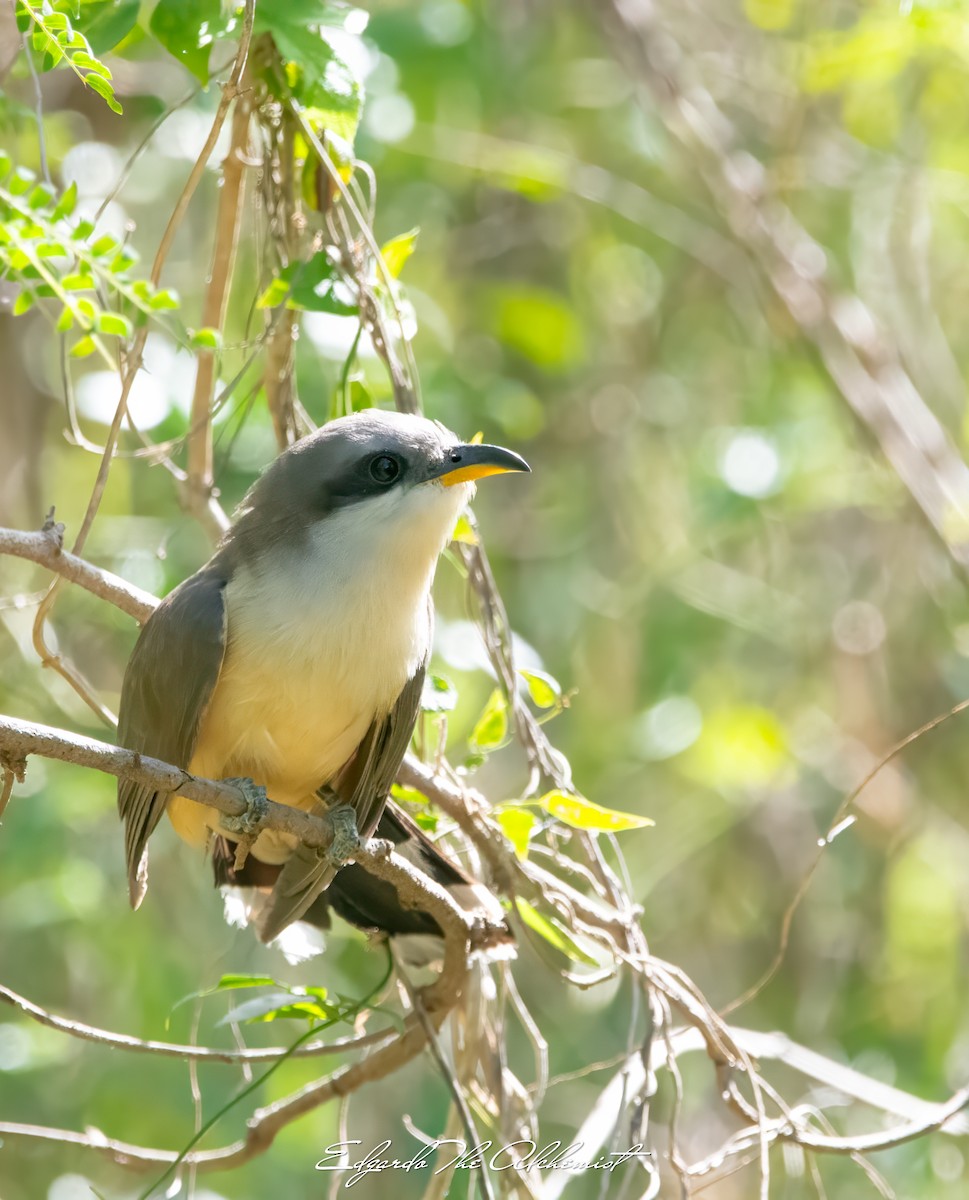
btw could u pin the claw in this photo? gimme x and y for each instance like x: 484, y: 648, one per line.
x: 346, y: 837
x: 248, y: 823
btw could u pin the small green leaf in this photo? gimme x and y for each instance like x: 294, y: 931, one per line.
x: 40, y: 197
x: 124, y: 260
x: 408, y: 795
x: 65, y: 321
x: 105, y: 244
x: 21, y: 181
x: 492, y: 725
x: 206, y: 339
x: 83, y: 348
x: 360, y: 397
x: 516, y: 824
x: 258, y: 1008
x: 167, y: 298
x: 82, y: 230
x: 90, y: 63
x: 583, y: 814
x: 105, y: 91
x: 79, y: 281
x: 439, y: 694
x: 274, y: 295
x: 398, y: 250
x: 228, y: 982
x: 23, y: 303
x: 464, y: 532
x: 551, y: 930
x: 542, y: 688
x: 114, y: 324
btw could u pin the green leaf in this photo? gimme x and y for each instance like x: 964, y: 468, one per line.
x: 79, y: 281
x: 275, y: 294
x: 542, y: 688
x: 83, y: 229
x: 517, y: 824
x: 408, y: 795
x: 65, y: 321
x: 165, y: 299
x: 360, y: 397
x: 108, y: 22
x: 90, y: 63
x: 21, y: 181
x: 439, y: 694
x: 492, y: 725
x: 315, y: 288
x: 398, y: 250
x: 464, y: 531
x: 312, y: 286
x: 24, y: 302
x: 206, y: 339
x: 83, y: 348
x: 553, y: 933
x: 40, y: 197
x: 305, y: 1004
x: 188, y: 29
x: 105, y: 91
x: 231, y: 981
x: 324, y: 83
x: 583, y: 814
x: 67, y: 203
x: 105, y: 244
x: 114, y: 324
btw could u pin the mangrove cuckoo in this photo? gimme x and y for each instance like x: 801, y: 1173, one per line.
x: 292, y: 663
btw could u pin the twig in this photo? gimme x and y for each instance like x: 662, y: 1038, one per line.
x: 227, y: 224
x: 46, y: 548
x: 121, y: 1041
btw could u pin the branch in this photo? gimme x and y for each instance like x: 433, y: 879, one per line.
x: 121, y: 1041
x: 228, y: 219
x: 46, y: 548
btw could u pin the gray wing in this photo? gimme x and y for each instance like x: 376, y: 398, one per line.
x: 364, y: 785
x: 169, y: 680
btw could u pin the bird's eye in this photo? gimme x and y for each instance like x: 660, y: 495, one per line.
x: 384, y: 469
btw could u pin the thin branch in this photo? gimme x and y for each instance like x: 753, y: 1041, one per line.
x: 121, y: 1041
x: 46, y: 548
x: 227, y: 224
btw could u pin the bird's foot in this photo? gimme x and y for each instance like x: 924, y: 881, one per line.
x: 346, y: 837
x: 247, y: 825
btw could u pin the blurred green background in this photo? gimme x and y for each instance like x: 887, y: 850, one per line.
x: 711, y: 551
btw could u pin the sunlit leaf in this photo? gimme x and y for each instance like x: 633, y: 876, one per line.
x: 517, y: 824
x: 439, y: 694
x: 398, y: 250
x: 583, y: 814
x: 206, y: 339
x: 491, y: 727
x: 553, y: 933
x: 542, y: 688
x: 464, y: 531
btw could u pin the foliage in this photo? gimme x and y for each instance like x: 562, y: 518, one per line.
x: 723, y: 595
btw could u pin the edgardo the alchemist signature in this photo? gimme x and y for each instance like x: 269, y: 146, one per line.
x: 456, y: 1154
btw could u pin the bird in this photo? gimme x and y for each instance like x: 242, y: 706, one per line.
x: 292, y: 663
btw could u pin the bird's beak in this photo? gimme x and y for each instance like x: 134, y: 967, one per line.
x: 466, y: 463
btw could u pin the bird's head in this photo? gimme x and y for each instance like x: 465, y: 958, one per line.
x: 374, y: 476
